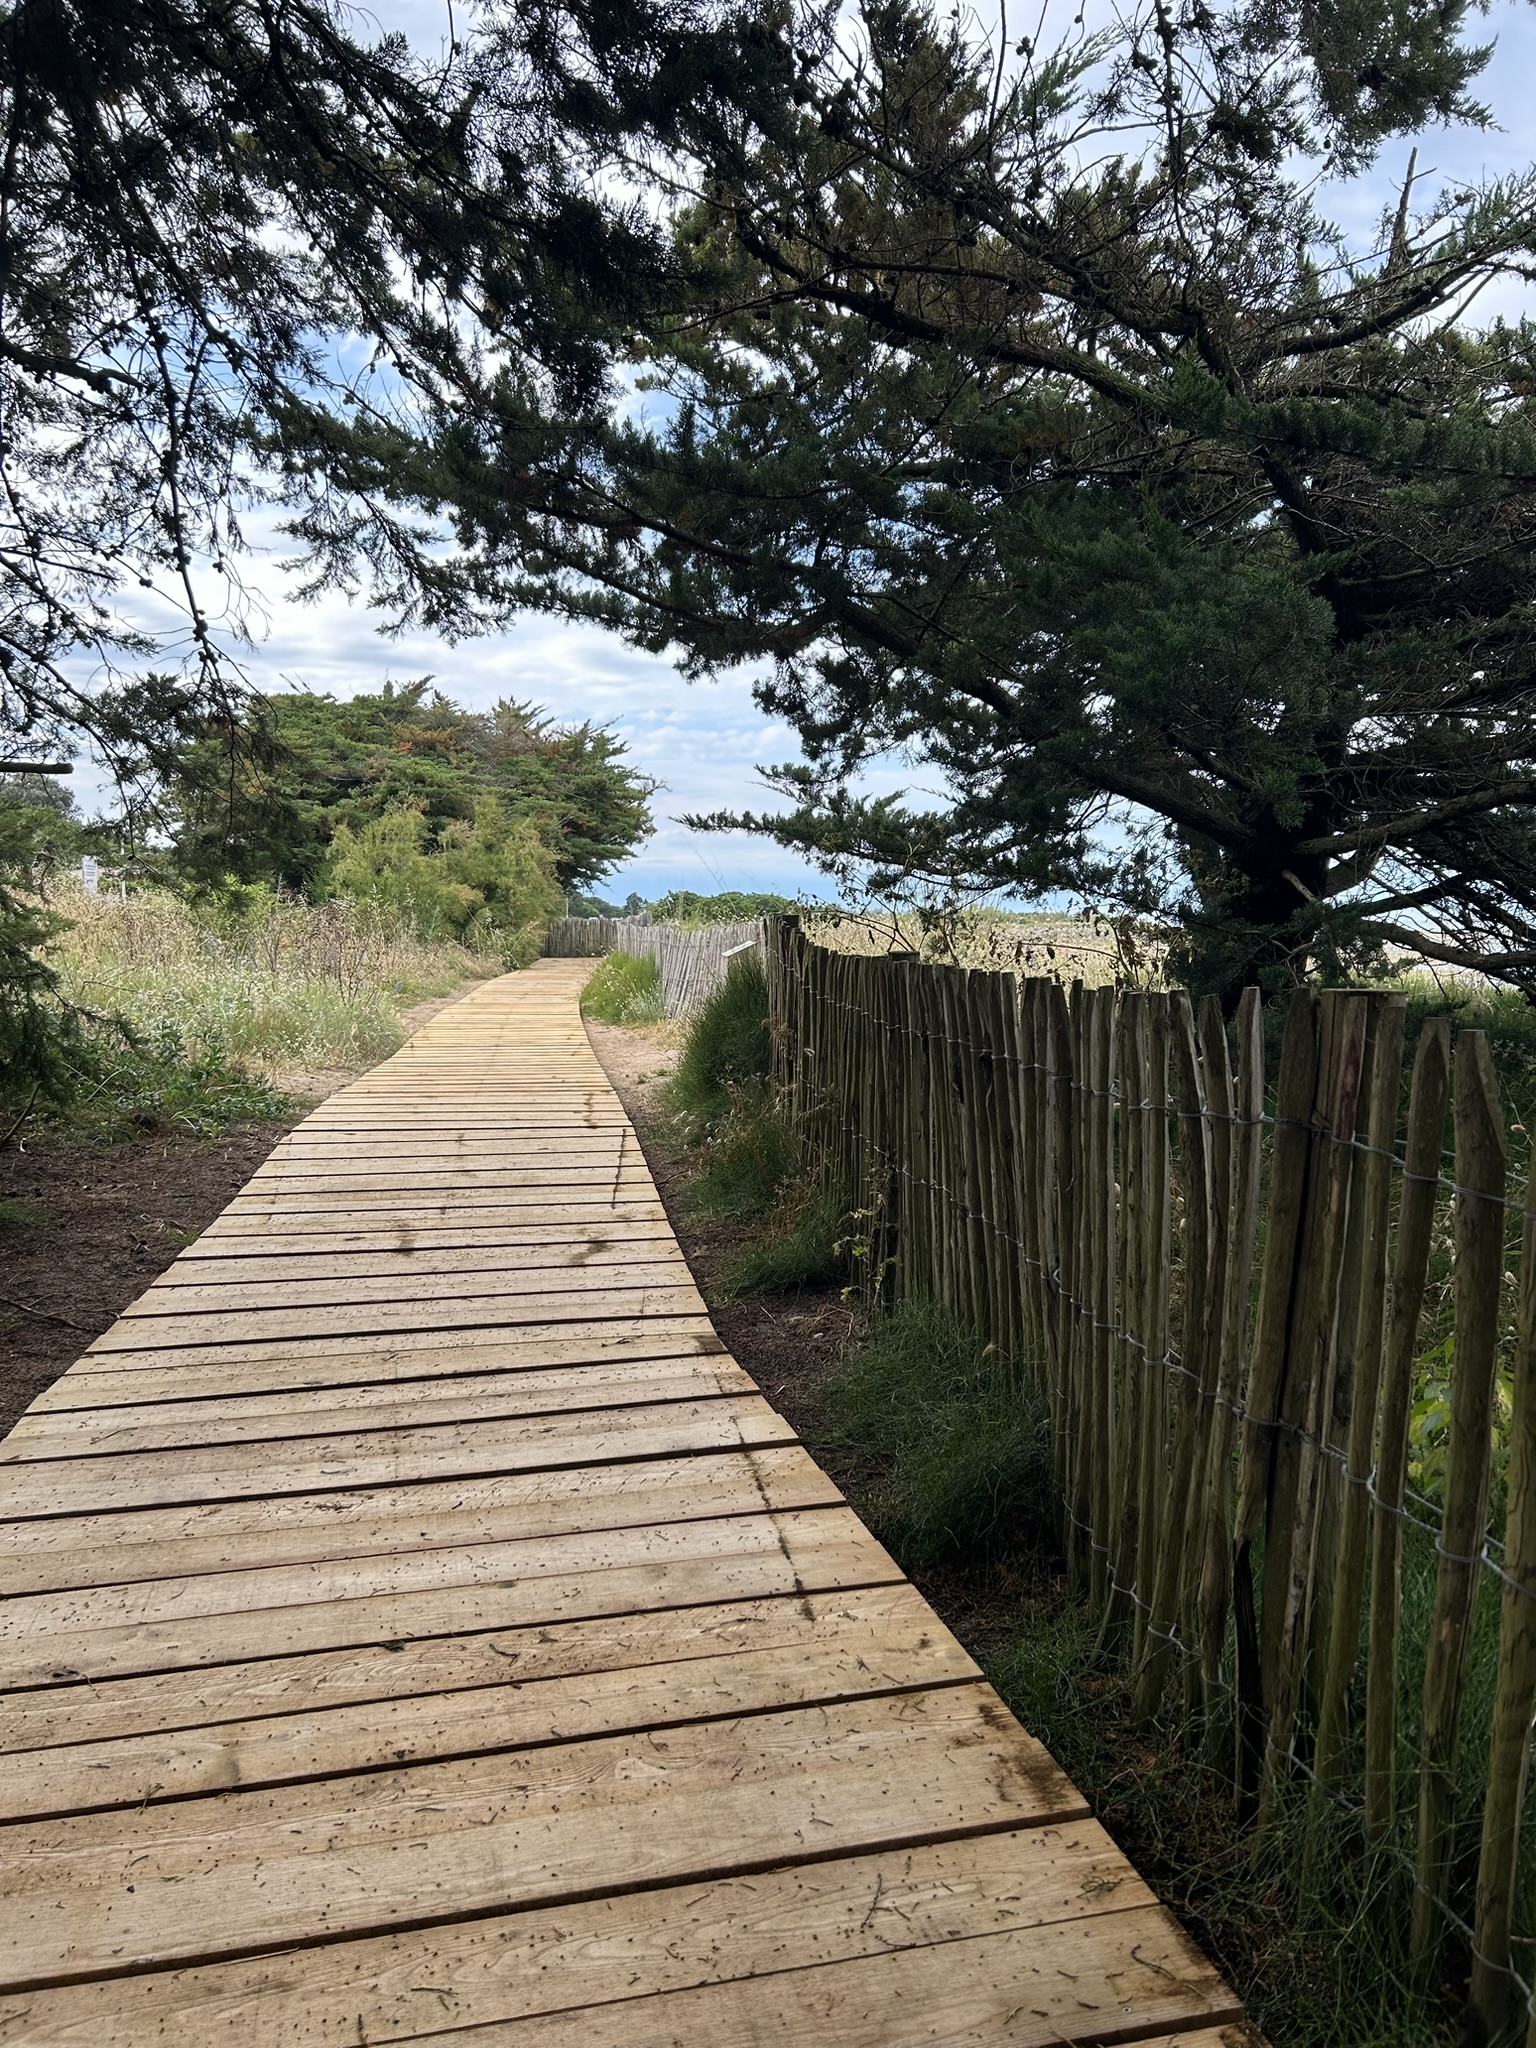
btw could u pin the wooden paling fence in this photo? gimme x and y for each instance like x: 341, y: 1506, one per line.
x: 1218, y: 1281
x: 692, y: 961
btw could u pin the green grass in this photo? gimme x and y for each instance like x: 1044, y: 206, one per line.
x: 797, y: 1249
x: 174, y: 1015
x: 157, y: 1081
x: 19, y: 1214
x: 624, y: 989
x: 727, y: 1048
x: 954, y: 1455
x: 748, y: 1162
x: 273, y: 985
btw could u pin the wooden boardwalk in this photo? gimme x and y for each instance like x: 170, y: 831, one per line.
x: 418, y: 1628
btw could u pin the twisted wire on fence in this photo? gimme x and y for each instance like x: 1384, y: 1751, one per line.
x: 1074, y: 1176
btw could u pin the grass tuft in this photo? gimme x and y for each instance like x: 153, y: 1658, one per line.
x: 727, y: 1047
x: 954, y: 1455
x: 796, y: 1251
x: 745, y: 1166
x: 625, y: 988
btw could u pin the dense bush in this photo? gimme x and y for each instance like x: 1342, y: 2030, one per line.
x: 489, y: 883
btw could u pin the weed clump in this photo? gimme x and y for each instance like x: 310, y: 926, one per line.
x: 625, y: 988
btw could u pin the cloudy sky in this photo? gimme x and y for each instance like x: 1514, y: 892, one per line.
x: 703, y: 741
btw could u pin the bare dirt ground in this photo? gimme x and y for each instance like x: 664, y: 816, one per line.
x: 85, y: 1228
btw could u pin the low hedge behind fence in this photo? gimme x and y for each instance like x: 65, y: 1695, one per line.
x: 1231, y: 1296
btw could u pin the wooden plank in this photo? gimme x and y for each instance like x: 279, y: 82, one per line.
x: 537, y: 1342
x: 102, y: 1379
x: 306, y: 1186
x: 1030, y: 1988
x: 269, y: 1418
x: 827, y: 1659
x: 193, y: 1879
x: 451, y: 1145
x: 243, y: 1535
x: 52, y: 1639
x: 68, y: 1486
x: 388, y: 1319
x: 346, y: 1289
x: 221, y: 1249
x: 411, y: 1220
x: 406, y: 1206
x: 291, y: 1689
x: 402, y: 1986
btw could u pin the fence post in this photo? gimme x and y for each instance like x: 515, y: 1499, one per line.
x: 1480, y: 1177
x: 1288, y: 1178
x: 1216, y: 1124
x: 1241, y: 1191
x: 1496, y: 1996
x: 1375, y: 1217
x: 1131, y: 1360
x: 1410, y: 1266
x: 1194, y: 1174
x: 1151, y: 1514
x: 1307, y: 1389
x: 1101, y: 1198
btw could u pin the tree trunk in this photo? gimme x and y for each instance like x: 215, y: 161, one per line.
x: 1253, y: 925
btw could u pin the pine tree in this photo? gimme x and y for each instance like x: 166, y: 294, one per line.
x: 1033, y: 423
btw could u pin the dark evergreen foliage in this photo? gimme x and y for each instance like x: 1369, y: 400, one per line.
x: 305, y: 764
x: 249, y: 256
x: 1035, y: 425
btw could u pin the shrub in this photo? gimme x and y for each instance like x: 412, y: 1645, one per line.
x: 624, y: 989
x: 490, y: 883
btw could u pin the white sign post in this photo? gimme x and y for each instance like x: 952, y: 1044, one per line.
x: 90, y: 873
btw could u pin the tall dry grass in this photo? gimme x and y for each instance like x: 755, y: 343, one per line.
x: 1088, y: 949
x: 275, y: 984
